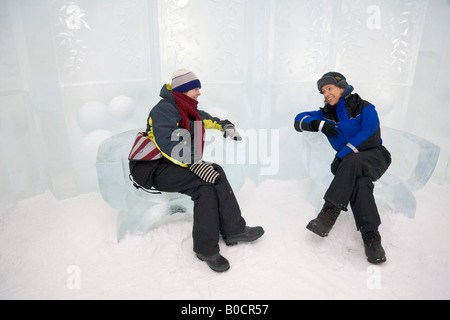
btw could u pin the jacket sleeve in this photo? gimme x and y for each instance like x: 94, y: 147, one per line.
x: 303, y: 120
x: 167, y: 136
x: 368, y: 137
x: 210, y: 122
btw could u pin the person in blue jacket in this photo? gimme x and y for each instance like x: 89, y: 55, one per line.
x: 352, y: 127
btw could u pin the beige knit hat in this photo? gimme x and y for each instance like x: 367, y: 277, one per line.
x: 184, y: 80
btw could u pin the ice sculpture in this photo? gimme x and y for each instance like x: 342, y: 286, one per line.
x: 139, y: 210
x: 122, y: 107
x: 413, y: 162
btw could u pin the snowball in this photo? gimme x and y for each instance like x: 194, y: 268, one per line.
x: 121, y: 107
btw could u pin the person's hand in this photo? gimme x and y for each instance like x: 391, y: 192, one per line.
x: 206, y: 172
x: 335, y: 165
x: 326, y: 127
x: 230, y: 131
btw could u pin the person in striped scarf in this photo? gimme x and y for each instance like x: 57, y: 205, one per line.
x: 168, y: 157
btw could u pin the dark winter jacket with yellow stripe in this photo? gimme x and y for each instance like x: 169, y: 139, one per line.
x: 355, y: 119
x: 170, y: 139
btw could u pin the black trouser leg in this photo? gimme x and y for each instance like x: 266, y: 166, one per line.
x: 206, y: 226
x: 231, y: 221
x: 364, y: 207
x: 372, y: 163
x: 215, y: 207
x: 351, y: 183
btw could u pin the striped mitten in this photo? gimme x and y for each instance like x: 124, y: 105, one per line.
x: 205, y: 171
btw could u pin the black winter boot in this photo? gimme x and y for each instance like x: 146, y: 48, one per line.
x: 325, y: 221
x: 215, y: 262
x: 249, y: 234
x: 372, y: 244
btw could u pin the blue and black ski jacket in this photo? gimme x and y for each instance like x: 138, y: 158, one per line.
x: 355, y: 119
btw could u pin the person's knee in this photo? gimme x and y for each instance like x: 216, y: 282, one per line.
x: 218, y: 168
x: 204, y: 191
x: 352, y: 161
x: 365, y: 183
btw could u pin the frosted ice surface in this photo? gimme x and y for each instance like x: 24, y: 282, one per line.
x: 414, y: 157
x: 90, y: 70
x: 413, y: 162
x: 140, y: 210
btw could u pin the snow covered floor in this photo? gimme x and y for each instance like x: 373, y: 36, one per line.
x: 67, y: 250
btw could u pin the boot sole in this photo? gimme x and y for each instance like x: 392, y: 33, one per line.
x: 377, y: 261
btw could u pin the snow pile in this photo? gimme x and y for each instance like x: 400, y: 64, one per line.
x: 68, y: 250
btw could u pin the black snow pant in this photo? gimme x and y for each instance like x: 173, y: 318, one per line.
x: 216, y: 210
x: 353, y: 183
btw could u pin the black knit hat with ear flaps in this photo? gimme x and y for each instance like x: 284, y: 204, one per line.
x: 335, y: 78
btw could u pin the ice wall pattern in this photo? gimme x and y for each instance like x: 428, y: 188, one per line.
x: 258, y: 61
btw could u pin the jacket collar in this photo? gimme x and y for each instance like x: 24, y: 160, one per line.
x: 166, y: 92
x: 347, y: 93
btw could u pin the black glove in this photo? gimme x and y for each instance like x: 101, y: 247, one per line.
x: 230, y: 131
x: 328, y: 128
x: 335, y: 165
x: 206, y: 172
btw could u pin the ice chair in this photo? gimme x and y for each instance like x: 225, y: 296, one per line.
x: 413, y: 162
x: 140, y: 210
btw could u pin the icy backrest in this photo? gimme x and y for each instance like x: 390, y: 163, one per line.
x: 113, y: 181
x: 414, y: 158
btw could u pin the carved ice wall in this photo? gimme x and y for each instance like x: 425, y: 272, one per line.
x: 258, y: 61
